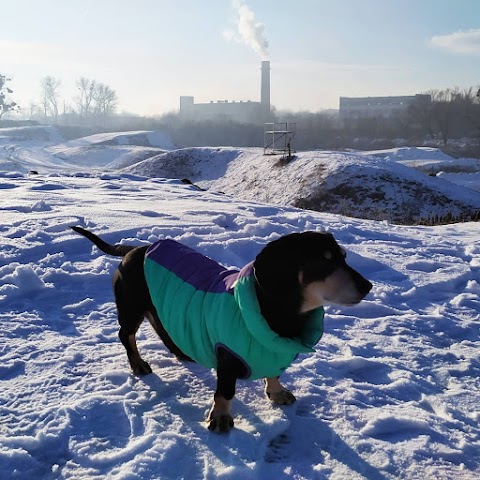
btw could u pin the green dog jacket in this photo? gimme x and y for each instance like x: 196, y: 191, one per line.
x: 204, y: 307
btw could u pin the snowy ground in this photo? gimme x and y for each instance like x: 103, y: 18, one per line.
x: 461, y: 171
x: 392, y: 392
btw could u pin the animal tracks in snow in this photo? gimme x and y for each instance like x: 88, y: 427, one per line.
x: 100, y: 426
x: 394, y: 429
x: 362, y: 369
x: 278, y: 449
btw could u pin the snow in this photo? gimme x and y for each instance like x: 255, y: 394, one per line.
x: 460, y: 171
x: 140, y: 137
x: 378, y: 185
x: 469, y: 180
x: 112, y: 149
x: 43, y: 148
x: 351, y: 183
x: 391, y: 392
x: 417, y: 154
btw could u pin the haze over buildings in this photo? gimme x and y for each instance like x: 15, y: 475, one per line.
x: 152, y: 52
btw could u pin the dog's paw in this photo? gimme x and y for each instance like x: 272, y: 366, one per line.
x: 141, y: 368
x: 220, y: 423
x: 283, y: 397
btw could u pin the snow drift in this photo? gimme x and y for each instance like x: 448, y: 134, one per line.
x: 348, y: 183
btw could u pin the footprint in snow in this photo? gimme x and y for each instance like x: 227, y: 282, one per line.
x: 278, y: 449
x: 363, y: 370
x: 99, y: 426
x: 48, y: 186
x: 6, y: 186
x: 394, y: 429
x: 9, y: 370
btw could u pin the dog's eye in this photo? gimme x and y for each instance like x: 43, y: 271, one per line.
x: 328, y: 254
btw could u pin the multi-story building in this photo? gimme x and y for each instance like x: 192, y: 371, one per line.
x: 352, y: 108
x: 239, y: 111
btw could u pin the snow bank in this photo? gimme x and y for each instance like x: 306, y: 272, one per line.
x: 352, y: 184
x: 144, y: 138
x: 38, y: 135
x: 468, y: 180
x: 418, y: 154
x: 112, y: 150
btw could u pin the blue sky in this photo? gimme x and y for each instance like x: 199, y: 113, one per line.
x: 153, y: 51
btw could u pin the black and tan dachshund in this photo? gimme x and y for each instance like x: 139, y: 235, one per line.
x: 294, y: 276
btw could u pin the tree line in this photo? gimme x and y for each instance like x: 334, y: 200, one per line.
x: 452, y: 114
x: 94, y: 103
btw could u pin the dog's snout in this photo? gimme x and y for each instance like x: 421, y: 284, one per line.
x: 362, y: 285
x: 365, y: 286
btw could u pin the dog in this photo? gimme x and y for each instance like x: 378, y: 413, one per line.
x: 249, y: 323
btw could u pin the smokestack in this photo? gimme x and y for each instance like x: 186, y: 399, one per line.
x: 265, y: 91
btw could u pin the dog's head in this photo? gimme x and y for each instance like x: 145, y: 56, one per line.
x: 312, y: 267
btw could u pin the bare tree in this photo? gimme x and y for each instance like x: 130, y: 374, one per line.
x: 476, y: 113
x: 50, y: 91
x: 420, y: 115
x: 94, y: 99
x: 35, y: 110
x: 105, y: 100
x: 6, y: 105
x: 84, y: 98
x: 443, y: 111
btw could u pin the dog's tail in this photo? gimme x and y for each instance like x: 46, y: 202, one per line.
x: 115, y: 250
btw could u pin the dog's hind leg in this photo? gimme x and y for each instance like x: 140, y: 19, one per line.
x: 165, y: 337
x: 127, y: 337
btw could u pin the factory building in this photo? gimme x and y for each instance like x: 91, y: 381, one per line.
x: 352, y: 108
x: 239, y: 111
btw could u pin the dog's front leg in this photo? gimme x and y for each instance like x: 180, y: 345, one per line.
x: 277, y: 393
x: 228, y: 370
x: 219, y: 419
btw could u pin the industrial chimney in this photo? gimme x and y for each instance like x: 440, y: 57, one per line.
x: 265, y: 92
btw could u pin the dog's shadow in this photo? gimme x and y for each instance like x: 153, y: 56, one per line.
x: 178, y: 399
x: 309, y: 440
x: 291, y: 436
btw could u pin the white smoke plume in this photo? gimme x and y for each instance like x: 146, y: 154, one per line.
x: 248, y: 30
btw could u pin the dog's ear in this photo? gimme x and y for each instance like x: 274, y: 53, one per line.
x: 277, y: 266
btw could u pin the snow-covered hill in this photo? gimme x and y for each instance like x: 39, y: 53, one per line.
x: 348, y: 183
x: 43, y: 149
x: 114, y: 150
x: 391, y: 392
x: 461, y: 171
x: 39, y: 135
